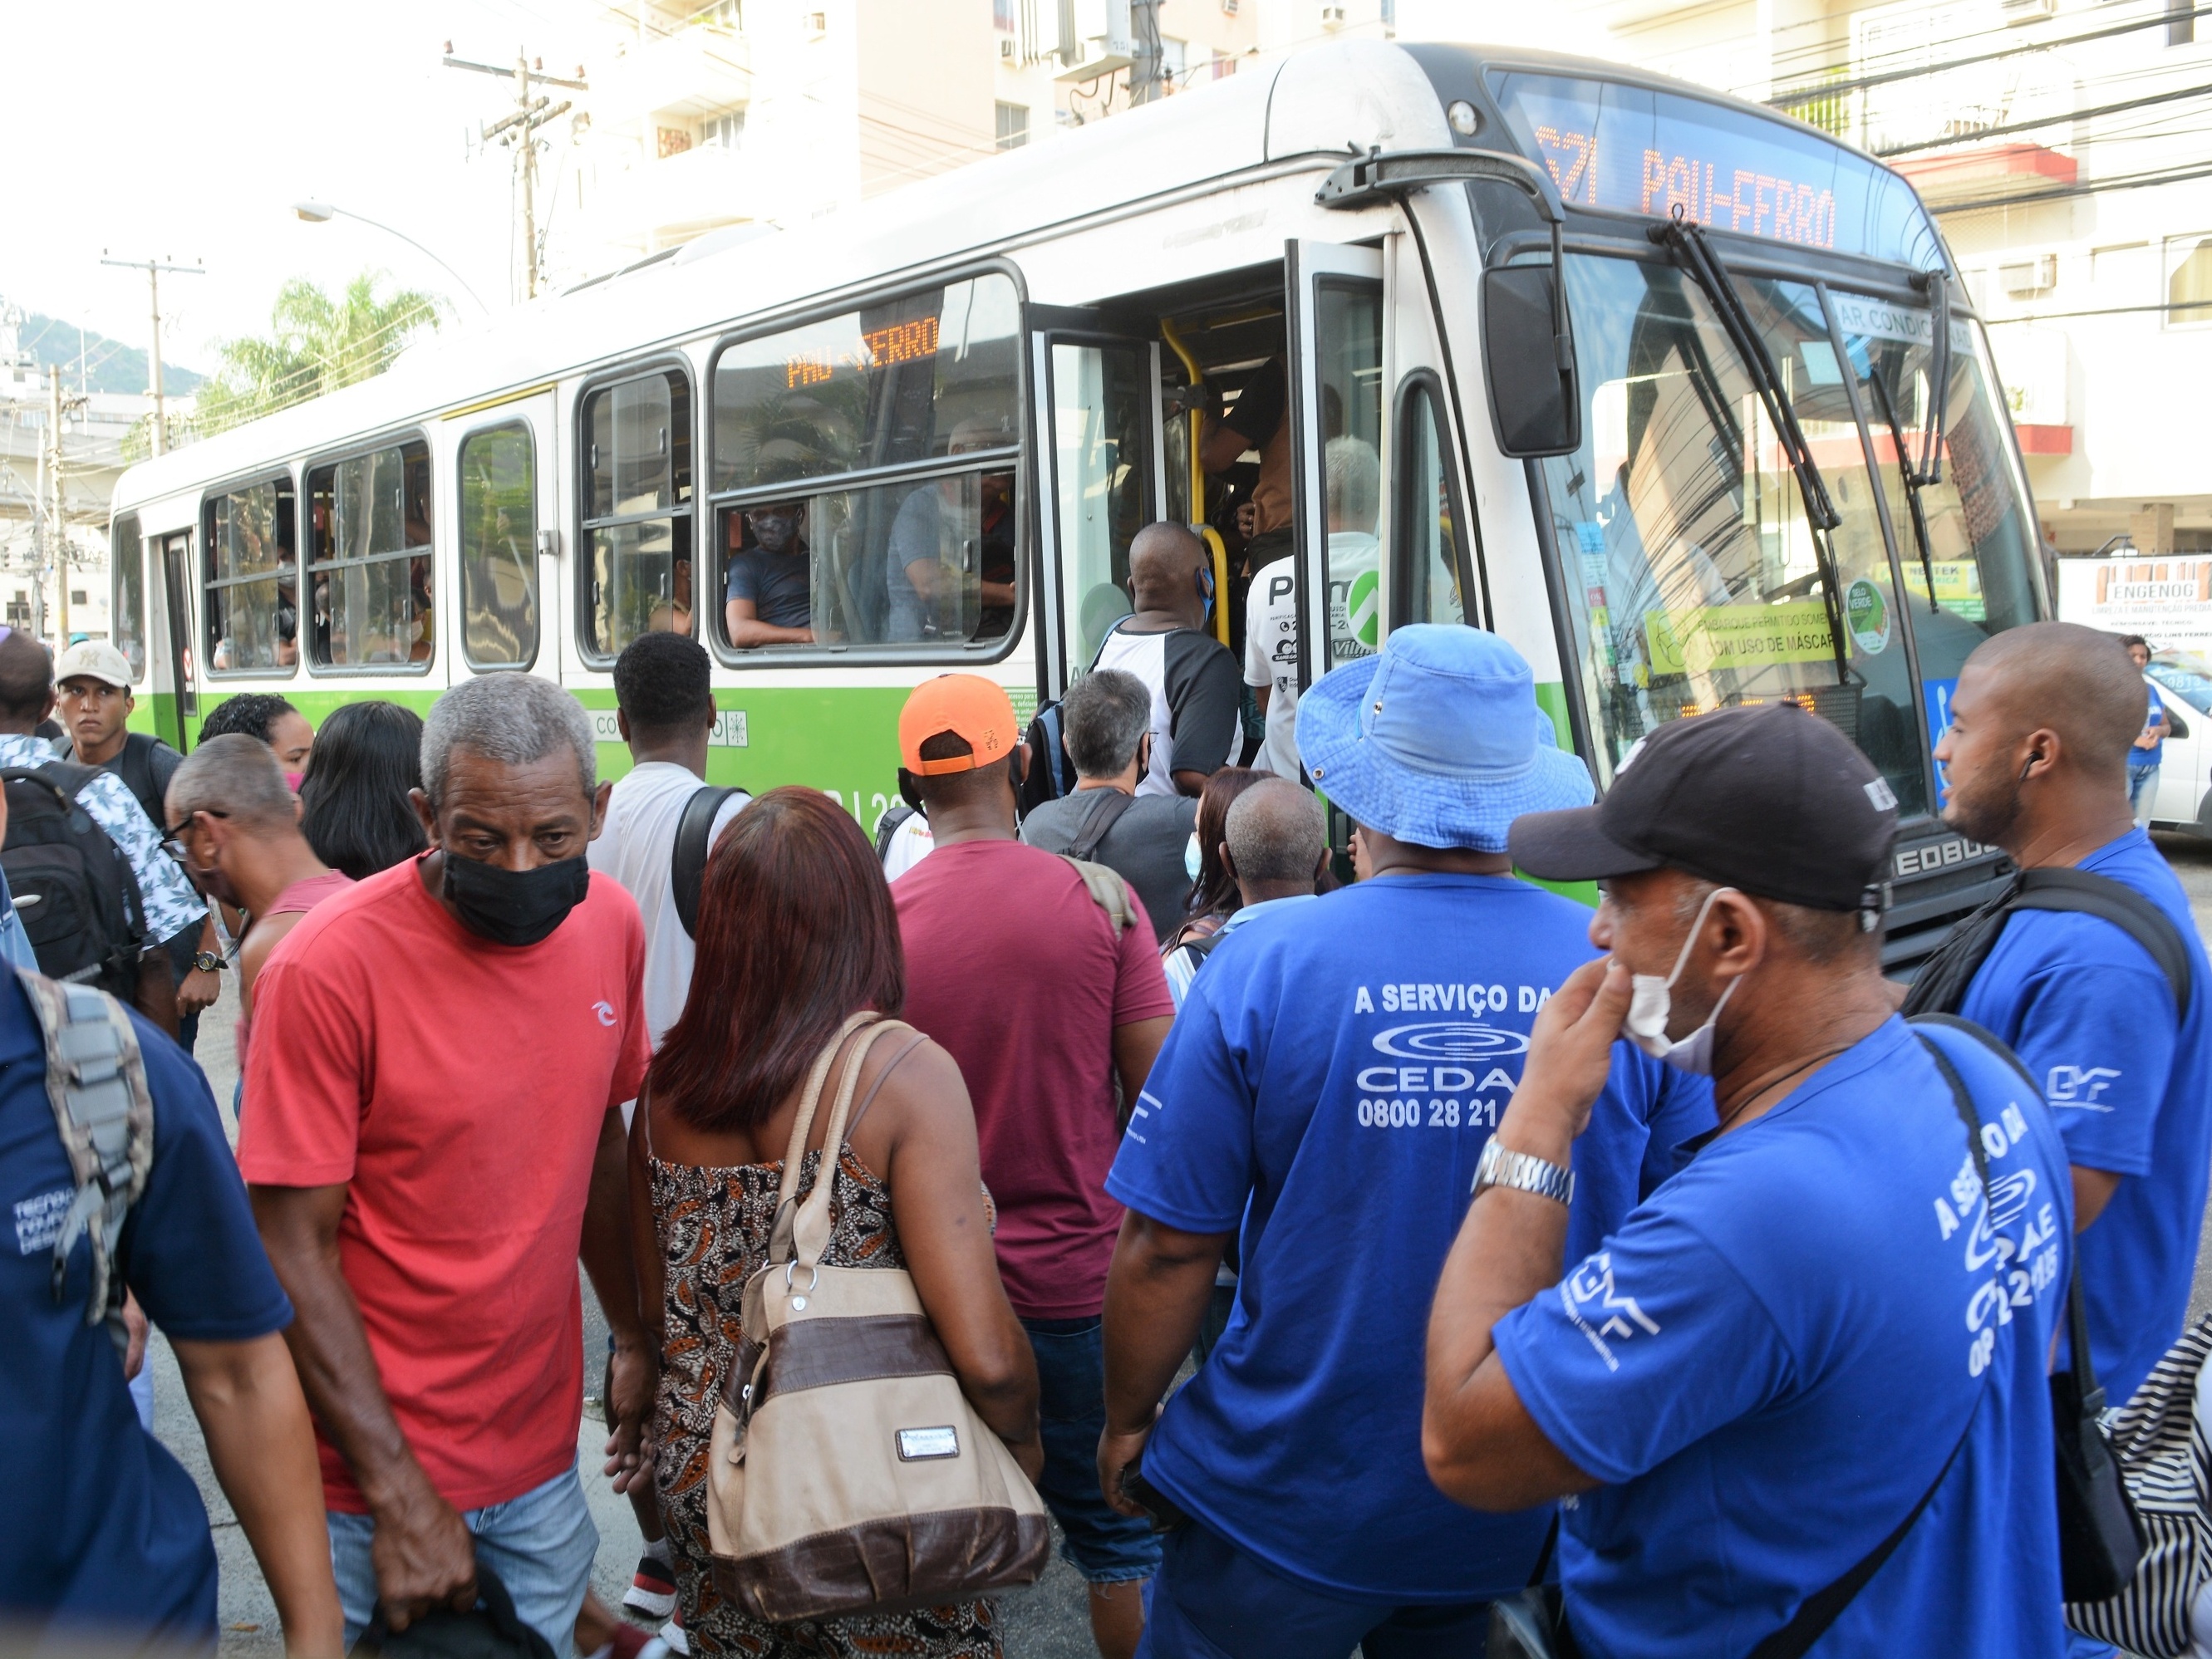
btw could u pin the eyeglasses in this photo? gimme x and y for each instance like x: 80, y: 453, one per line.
x: 173, y: 841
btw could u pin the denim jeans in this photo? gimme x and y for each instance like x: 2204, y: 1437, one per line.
x: 541, y: 1544
x: 1104, y: 1545
x: 2142, y: 790
x: 1213, y: 1600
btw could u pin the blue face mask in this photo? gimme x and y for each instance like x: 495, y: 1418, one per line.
x: 1191, y: 861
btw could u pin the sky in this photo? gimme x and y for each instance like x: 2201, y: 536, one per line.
x: 185, y: 132
x: 145, y: 131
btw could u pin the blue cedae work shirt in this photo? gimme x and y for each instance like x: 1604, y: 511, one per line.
x: 2129, y: 1078
x: 1773, y: 1358
x: 102, y: 1527
x: 1328, y: 1087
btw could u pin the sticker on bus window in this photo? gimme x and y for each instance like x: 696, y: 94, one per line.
x: 1698, y: 639
x: 1866, y: 613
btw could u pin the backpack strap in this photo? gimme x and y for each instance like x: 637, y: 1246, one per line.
x: 96, y: 1082
x: 2090, y: 894
x: 687, y: 860
x: 1109, y: 889
x: 1097, y: 822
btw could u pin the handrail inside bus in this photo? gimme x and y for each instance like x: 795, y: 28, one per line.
x: 1213, y: 536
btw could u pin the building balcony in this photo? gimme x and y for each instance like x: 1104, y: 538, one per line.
x: 1990, y: 173
x: 695, y: 72
x: 655, y: 204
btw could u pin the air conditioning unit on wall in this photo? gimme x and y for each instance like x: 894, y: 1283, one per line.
x: 1332, y: 17
x: 2024, y: 278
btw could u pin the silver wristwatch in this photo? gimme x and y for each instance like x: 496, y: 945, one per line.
x: 1522, y: 1173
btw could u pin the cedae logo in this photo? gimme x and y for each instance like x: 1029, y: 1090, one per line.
x: 1451, y: 1051
x: 606, y: 1010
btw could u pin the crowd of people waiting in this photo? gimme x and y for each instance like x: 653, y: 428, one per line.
x: 1633, y: 1282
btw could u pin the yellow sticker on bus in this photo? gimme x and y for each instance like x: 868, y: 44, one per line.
x: 1704, y: 638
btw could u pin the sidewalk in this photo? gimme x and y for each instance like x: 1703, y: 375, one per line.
x: 1048, y: 1622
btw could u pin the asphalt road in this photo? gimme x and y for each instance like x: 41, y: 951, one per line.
x: 1047, y: 1622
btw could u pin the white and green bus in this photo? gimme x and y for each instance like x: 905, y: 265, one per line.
x: 1680, y: 396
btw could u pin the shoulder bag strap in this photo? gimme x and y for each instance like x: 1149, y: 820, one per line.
x: 810, y: 1228
x: 2087, y: 893
x: 779, y: 1248
x: 1818, y: 1611
x: 687, y: 860
x: 1940, y: 985
x: 1097, y: 822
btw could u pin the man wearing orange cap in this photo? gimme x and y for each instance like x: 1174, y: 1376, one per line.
x: 1047, y: 1001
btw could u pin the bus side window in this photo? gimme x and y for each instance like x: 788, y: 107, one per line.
x: 127, y: 561
x: 369, y: 571
x: 637, y: 513
x: 1426, y: 521
x: 499, y: 539
x: 252, y: 580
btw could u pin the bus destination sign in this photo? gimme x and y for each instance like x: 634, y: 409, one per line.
x: 877, y: 348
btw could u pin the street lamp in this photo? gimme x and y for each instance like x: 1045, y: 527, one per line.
x: 321, y: 213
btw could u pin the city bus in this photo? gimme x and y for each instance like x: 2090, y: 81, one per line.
x: 1681, y: 397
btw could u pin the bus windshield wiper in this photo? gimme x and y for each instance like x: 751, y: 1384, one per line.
x: 1913, y: 479
x: 1926, y: 468
x: 1688, y: 242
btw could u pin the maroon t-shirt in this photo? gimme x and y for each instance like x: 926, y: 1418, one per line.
x: 1014, y: 969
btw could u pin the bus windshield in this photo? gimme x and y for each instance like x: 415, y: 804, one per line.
x: 1695, y: 577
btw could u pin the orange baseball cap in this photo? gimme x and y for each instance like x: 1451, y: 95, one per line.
x: 967, y: 705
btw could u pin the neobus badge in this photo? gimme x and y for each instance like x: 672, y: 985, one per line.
x: 1936, y: 855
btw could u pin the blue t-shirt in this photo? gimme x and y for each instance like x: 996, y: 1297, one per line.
x: 779, y: 585
x: 1329, y: 1085
x: 2149, y: 757
x: 1770, y: 1361
x: 104, y: 1526
x: 2092, y: 1020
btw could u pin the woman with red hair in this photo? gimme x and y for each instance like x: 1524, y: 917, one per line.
x: 797, y: 934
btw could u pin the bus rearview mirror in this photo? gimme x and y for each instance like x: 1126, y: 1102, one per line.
x: 1534, y: 401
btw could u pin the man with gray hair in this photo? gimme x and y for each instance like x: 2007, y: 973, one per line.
x: 439, y: 1062
x: 1106, y: 728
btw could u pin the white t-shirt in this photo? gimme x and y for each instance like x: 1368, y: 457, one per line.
x: 909, y: 844
x: 634, y: 848
x: 1271, y: 659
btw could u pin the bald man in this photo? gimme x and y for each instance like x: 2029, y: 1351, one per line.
x: 1275, y: 844
x: 2036, y: 761
x: 1197, y: 715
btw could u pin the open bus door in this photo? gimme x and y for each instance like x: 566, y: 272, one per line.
x: 1335, y: 302
x: 1098, y: 470
x: 176, y: 639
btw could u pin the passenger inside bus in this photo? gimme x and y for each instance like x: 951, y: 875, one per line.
x: 1259, y: 420
x: 769, y: 598
x: 673, y: 614
x: 952, y: 545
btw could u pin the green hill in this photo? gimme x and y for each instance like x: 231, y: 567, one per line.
x: 109, y: 365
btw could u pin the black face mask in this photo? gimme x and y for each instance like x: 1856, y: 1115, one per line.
x: 515, y: 907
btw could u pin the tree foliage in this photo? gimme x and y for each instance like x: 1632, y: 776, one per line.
x: 316, y: 343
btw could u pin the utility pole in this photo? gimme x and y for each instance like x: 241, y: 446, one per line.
x: 56, y: 550
x: 154, y: 268
x: 1147, y: 64
x: 518, y: 131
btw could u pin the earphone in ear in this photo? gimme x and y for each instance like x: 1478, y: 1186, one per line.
x: 1206, y: 583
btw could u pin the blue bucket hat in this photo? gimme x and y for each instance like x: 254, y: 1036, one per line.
x: 1438, y: 740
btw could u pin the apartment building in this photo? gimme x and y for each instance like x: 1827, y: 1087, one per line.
x: 703, y: 117
x: 2061, y: 143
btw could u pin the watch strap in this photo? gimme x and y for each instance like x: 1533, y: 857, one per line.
x: 1523, y: 1172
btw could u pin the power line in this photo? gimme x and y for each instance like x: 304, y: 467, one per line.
x: 1811, y: 94
x: 2060, y: 192
x: 2011, y: 127
x: 518, y: 131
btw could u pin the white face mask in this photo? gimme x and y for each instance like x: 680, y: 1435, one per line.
x: 1650, y: 1001
x: 1191, y: 861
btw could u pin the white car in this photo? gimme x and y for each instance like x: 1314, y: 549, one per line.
x: 2183, y: 800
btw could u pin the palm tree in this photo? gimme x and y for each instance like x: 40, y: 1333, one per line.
x: 315, y: 344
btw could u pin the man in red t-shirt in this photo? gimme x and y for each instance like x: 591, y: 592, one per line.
x: 1023, y: 978
x: 439, y: 1062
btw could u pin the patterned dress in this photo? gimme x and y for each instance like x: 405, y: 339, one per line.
x: 714, y: 1228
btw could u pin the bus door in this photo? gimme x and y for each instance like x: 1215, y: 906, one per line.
x: 508, y: 514
x: 175, y: 637
x: 1338, y: 393
x: 1099, y: 463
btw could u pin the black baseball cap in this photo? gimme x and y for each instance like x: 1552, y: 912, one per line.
x: 1767, y: 799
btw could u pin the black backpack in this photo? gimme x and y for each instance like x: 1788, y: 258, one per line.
x: 1940, y: 985
x: 74, y: 889
x: 144, y: 763
x: 1051, y: 774
x: 687, y: 859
